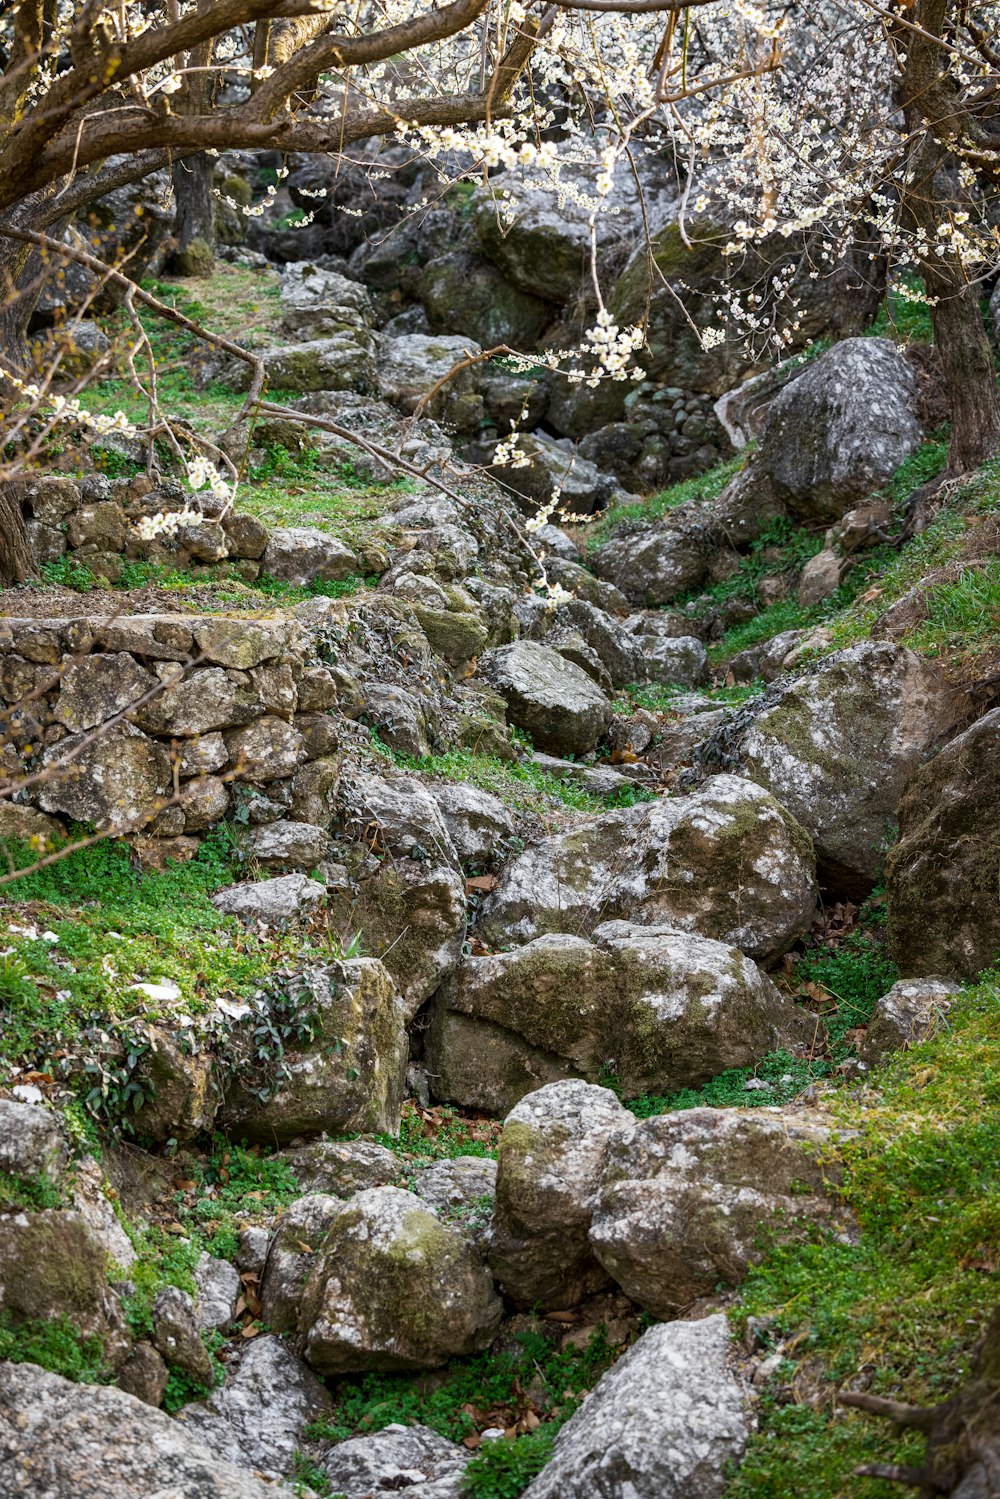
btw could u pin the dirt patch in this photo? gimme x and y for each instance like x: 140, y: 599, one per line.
x: 29, y: 602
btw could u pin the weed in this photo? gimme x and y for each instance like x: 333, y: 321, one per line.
x: 230, y: 1183
x: 438, y: 1134
x: 34, y: 1193
x: 706, y: 486
x: 523, y: 783
x: 961, y: 614
x: 273, y: 588
x: 68, y: 572
x: 503, y: 1470
x: 54, y: 1344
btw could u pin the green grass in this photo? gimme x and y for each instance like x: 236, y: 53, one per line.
x: 523, y: 785
x: 962, y: 614
x: 707, y: 486
x: 55, y: 1345
x: 904, y: 1307
x: 442, y: 1137
x: 233, y: 1186
x: 495, y: 1384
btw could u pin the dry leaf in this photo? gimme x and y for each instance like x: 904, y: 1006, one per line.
x: 485, y: 882
x: 251, y: 1330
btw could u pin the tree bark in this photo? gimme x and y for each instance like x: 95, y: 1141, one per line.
x: 194, y: 223
x: 16, y: 560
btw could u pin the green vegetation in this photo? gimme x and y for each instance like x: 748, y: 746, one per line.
x: 55, y: 1345
x: 904, y: 1306
x: 230, y: 1186
x: 702, y: 487
x: 32, y: 1193
x: 439, y: 1134
x: 523, y: 784
x: 503, y: 1470
x: 961, y: 615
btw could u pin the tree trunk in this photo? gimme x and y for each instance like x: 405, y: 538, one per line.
x: 16, y: 560
x: 194, y: 222
x: 17, y: 299
x: 967, y: 364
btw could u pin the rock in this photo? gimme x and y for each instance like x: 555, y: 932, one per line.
x: 349, y: 1076
x: 266, y: 750
x: 661, y: 1009
x: 291, y: 1256
x: 199, y: 702
x: 177, y: 1337
x: 22, y: 824
x: 218, y: 1287
x: 251, y: 1249
x: 239, y: 643
x: 684, y: 1196
x: 399, y: 718
x: 342, y: 362
x: 54, y: 1264
x: 272, y: 902
x: 247, y: 536
x: 412, y: 913
x: 577, y: 580
x: 549, y: 1163
x: 664, y: 1423
x: 319, y: 302
x: 820, y: 577
x: 204, y: 802
x: 32, y: 1145
x: 727, y: 862
x: 343, y: 1167
x: 101, y: 526
x: 460, y: 1190
x: 478, y: 824
x: 75, y: 1441
x: 912, y: 1010
x: 653, y: 567
x: 943, y: 875
x: 840, y: 429
x: 258, y: 1417
x: 615, y: 646
x: 181, y: 1092
x: 464, y: 294
x: 402, y: 815
x: 395, y: 1289
x: 144, y: 1375
x: 553, y: 700
x: 95, y: 688
x: 410, y: 367
x: 114, y: 781
x: 283, y: 845
x: 304, y: 554
x: 679, y: 659
x: 555, y: 465
x: 397, y: 1458
x: 837, y: 745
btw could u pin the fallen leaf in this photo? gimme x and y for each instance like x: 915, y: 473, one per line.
x: 472, y: 1442
x: 251, y: 1330
x: 484, y: 882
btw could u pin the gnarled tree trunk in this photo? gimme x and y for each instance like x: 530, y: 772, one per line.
x: 16, y: 560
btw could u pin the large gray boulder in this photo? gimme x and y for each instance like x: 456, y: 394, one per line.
x: 413, y: 1459
x: 344, y: 360
x: 664, y: 1423
x: 662, y: 1009
x: 350, y: 1076
x: 943, y: 875
x: 32, y: 1145
x: 291, y: 1255
x: 257, y: 1419
x: 76, y: 1441
x: 727, y: 862
x: 689, y: 1200
x: 837, y: 746
x: 549, y: 1164
x: 320, y: 303
x: 653, y: 566
x: 395, y: 1288
x: 552, y: 699
x: 464, y: 294
x: 304, y: 554
x: 840, y: 429
x: 479, y: 825
x: 412, y: 365
x: 118, y: 780
x: 911, y: 1011
x: 274, y: 902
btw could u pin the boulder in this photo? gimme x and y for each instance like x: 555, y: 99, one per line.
x: 176, y: 1336
x: 218, y: 1288
x: 460, y: 1190
x: 32, y: 1144
x: 680, y: 660
x: 284, y: 845
x: 291, y: 1255
x: 204, y: 802
x: 550, y: 698
x: 464, y: 294
x: 23, y: 824
x: 400, y: 815
x: 240, y: 643
x: 199, y: 702
x: 94, y: 688
x: 727, y: 862
x: 144, y: 1375
x: 303, y: 554
x: 479, y: 825
x: 409, y: 367
x: 840, y: 429
x: 319, y: 303
x: 549, y: 1164
x: 666, y: 1422
x: 659, y: 1008
x: 653, y: 566
x: 943, y: 875
x: 912, y: 1010
x: 76, y: 1441
x: 397, y: 1458
x: 53, y: 1265
x: 615, y: 646
x: 395, y: 1289
x: 344, y: 361
x: 271, y: 902
x: 116, y: 780
x: 837, y: 745
x: 343, y: 1167
x: 181, y: 1094
x: 258, y: 1418
x: 412, y: 914
x: 267, y: 749
x: 688, y: 1200
x: 820, y: 577
x: 349, y: 1076
x: 555, y: 465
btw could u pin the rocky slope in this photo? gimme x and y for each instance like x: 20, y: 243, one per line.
x: 520, y: 1038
